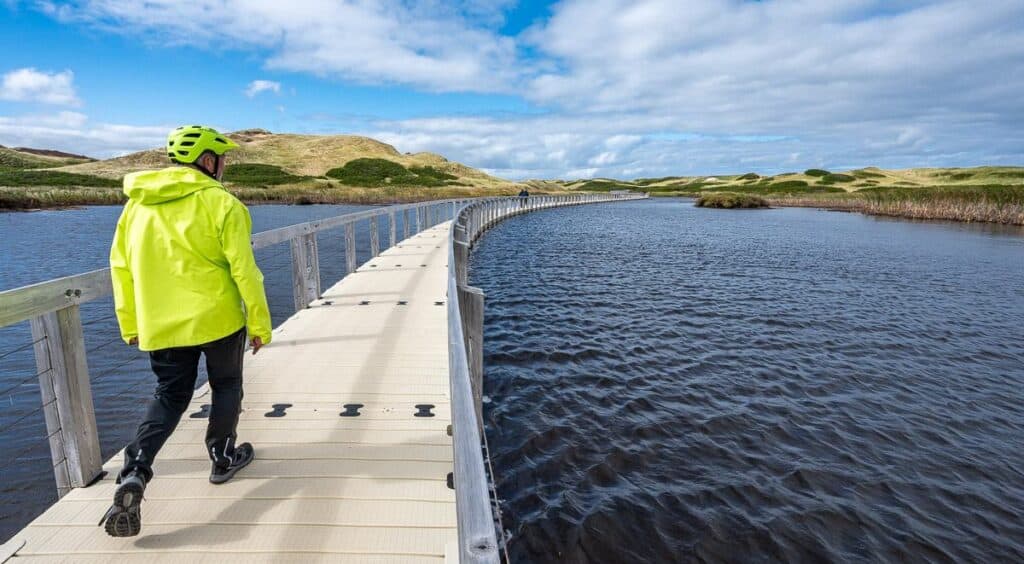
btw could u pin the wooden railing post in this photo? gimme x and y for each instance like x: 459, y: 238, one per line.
x: 299, y: 270
x: 471, y: 307
x: 392, y: 238
x: 374, y: 237
x: 350, y: 248
x: 305, y: 270
x: 67, y: 398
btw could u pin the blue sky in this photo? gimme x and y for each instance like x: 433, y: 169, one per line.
x: 576, y: 88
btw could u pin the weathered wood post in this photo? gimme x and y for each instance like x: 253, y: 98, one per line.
x: 461, y: 249
x: 374, y: 237
x: 350, y: 248
x: 305, y: 270
x: 67, y: 398
x: 391, y: 230
x: 471, y: 307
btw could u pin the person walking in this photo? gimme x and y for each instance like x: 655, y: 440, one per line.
x: 523, y: 196
x: 185, y: 285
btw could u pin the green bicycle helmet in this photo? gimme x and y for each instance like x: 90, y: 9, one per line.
x: 186, y: 143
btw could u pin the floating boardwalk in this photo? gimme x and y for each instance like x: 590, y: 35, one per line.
x: 350, y: 410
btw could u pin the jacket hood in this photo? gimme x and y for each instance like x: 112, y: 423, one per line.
x: 157, y: 186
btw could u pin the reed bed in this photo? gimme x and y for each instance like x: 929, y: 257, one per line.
x: 322, y: 193
x: 730, y: 200
x: 994, y: 204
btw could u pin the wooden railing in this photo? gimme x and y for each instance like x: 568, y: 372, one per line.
x: 52, y: 309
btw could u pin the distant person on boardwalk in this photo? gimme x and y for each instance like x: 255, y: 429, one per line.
x: 186, y: 284
x: 523, y: 195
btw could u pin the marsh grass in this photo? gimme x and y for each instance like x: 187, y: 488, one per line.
x: 302, y: 193
x: 53, y: 178
x: 973, y: 203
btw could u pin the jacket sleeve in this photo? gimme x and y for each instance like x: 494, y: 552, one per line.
x: 123, y: 284
x: 236, y: 242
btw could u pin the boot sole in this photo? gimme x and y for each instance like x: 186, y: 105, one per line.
x: 124, y: 519
x: 222, y: 478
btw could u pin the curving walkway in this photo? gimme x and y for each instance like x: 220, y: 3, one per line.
x: 324, y: 487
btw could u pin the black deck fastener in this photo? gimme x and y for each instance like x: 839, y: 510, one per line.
x: 403, y: 302
x: 278, y: 410
x: 449, y: 430
x: 328, y: 302
x: 203, y: 413
x: 364, y: 302
x: 438, y: 303
x: 451, y: 481
x: 373, y: 266
x: 424, y: 410
x: 351, y: 410
x: 397, y: 265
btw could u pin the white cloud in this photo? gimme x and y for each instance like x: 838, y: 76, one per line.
x: 31, y: 85
x: 257, y: 86
x: 650, y: 87
x: 717, y: 86
x: 425, y: 44
x: 75, y: 133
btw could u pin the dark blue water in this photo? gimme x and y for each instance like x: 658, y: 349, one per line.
x: 42, y: 245
x: 675, y: 384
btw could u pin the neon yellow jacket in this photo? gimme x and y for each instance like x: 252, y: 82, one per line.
x: 182, y: 264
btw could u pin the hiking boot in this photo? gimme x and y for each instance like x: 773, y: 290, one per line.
x: 124, y: 518
x: 241, y: 458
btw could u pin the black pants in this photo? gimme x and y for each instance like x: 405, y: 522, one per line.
x: 176, y: 372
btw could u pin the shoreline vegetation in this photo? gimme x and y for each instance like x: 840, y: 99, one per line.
x: 980, y: 194
x: 730, y: 200
x: 281, y: 169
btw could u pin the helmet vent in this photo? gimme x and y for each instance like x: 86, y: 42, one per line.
x: 187, y: 143
x: 192, y: 135
x: 219, y: 140
x: 183, y: 153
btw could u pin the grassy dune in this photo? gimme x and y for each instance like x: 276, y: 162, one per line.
x: 279, y: 168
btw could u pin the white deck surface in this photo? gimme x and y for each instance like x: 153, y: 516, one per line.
x: 323, y: 487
